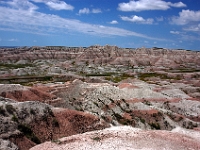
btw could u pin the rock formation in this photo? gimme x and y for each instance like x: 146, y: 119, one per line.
x: 151, y: 95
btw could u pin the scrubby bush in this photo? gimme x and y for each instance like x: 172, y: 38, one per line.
x: 10, y: 109
x: 2, y: 111
x: 32, y: 111
x: 14, y: 118
x: 155, y: 126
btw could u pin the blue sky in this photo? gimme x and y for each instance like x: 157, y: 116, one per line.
x: 126, y: 23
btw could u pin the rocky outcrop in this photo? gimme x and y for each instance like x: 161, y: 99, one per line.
x: 26, y: 124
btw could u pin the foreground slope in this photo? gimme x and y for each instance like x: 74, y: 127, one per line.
x: 124, y: 137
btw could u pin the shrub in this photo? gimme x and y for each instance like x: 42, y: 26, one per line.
x: 155, y: 126
x: 142, y: 120
x: 10, y: 109
x: 96, y: 138
x: 32, y: 111
x: 14, y: 118
x: 48, y: 111
x: 2, y: 111
x: 147, y: 103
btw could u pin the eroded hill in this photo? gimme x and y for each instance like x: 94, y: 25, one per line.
x: 53, y: 92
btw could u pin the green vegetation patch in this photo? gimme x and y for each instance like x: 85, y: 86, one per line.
x: 14, y: 66
x: 184, y: 70
x: 155, y: 125
x: 117, y: 78
x: 143, y: 76
x: 146, y: 76
x: 100, y: 74
x: 14, y: 118
x: 122, y: 120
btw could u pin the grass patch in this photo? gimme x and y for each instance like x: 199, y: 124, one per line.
x: 100, y: 74
x: 117, y: 78
x: 146, y: 76
x: 14, y: 66
x: 185, y: 70
x: 143, y: 76
x: 25, y: 80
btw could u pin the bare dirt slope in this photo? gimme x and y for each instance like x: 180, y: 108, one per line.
x: 124, y: 137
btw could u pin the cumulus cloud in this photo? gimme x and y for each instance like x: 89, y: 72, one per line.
x: 59, y: 5
x: 55, y: 4
x: 142, y: 5
x: 186, y: 17
x: 87, y: 11
x: 138, y: 19
x: 84, y: 11
x: 114, y: 22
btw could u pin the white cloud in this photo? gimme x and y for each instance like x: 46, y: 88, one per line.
x: 59, y: 5
x: 160, y: 19
x: 137, y: 19
x: 194, y: 28
x: 21, y: 4
x: 142, y: 5
x: 174, y: 32
x: 48, y: 24
x: 84, y: 11
x: 187, y: 37
x: 186, y: 17
x: 178, y: 5
x: 55, y: 4
x: 114, y: 22
x: 87, y: 11
x: 95, y: 11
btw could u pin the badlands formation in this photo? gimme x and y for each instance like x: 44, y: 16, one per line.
x: 99, y: 97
